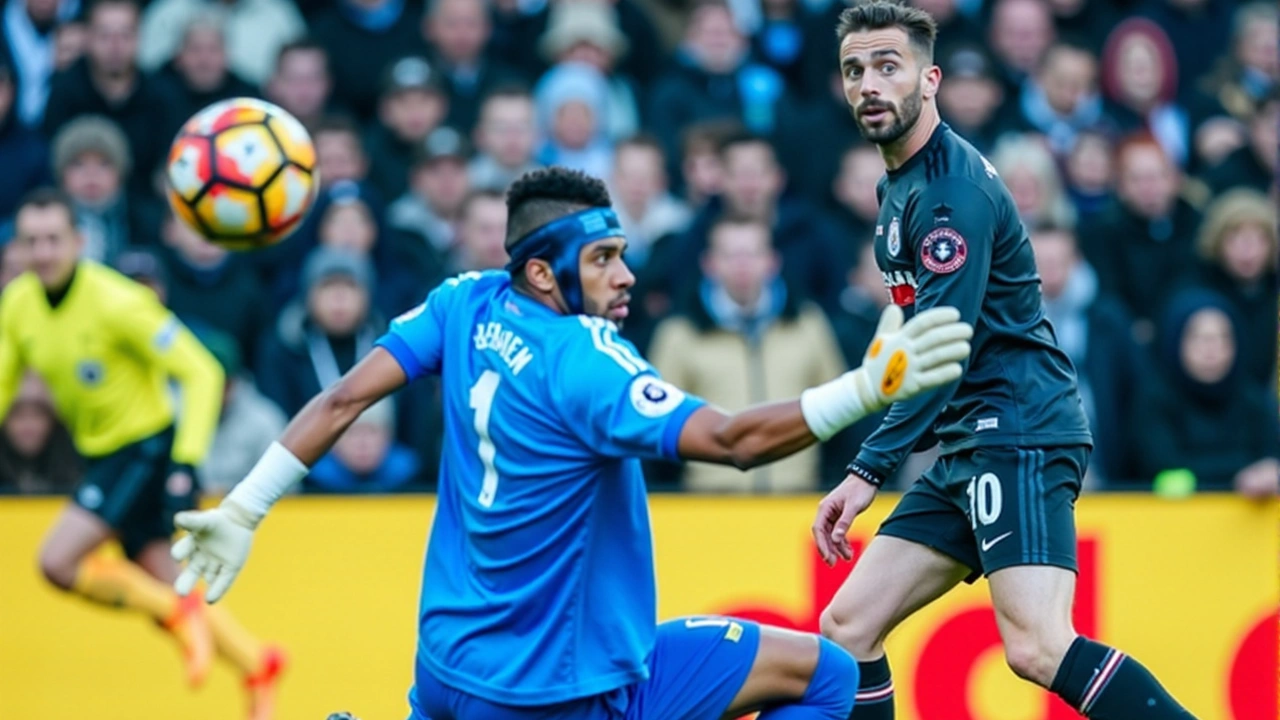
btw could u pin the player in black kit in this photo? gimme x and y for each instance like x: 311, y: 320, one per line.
x: 1014, y: 439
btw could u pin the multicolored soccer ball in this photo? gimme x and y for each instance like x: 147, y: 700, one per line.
x: 242, y: 173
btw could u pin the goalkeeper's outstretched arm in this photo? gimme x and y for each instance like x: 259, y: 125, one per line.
x: 219, y: 539
x: 902, y: 362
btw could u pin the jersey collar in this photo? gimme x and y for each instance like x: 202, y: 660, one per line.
x: 916, y: 159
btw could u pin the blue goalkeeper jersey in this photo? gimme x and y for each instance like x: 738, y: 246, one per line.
x: 539, y: 578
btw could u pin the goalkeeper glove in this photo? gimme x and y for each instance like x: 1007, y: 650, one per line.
x: 902, y: 362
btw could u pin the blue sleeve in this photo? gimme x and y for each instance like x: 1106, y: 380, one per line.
x: 616, y: 402
x: 951, y: 231
x: 416, y: 338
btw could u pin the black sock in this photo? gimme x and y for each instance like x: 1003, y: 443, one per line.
x: 875, y: 691
x: 1105, y: 684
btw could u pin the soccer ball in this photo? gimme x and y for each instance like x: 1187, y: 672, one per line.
x: 242, y: 173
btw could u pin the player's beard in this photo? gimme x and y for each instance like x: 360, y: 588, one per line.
x: 903, y: 116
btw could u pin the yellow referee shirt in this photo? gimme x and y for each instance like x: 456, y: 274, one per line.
x: 107, y: 352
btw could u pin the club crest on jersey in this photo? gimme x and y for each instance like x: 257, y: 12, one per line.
x: 89, y: 372
x: 943, y: 250
x: 654, y: 398
x: 895, y: 237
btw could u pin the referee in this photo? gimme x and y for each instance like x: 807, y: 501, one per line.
x: 108, y: 351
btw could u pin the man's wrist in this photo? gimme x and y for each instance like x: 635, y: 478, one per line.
x: 833, y: 406
x: 276, y: 472
x: 865, y: 473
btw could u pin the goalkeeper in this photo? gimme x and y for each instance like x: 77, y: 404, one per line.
x: 107, y: 349
x: 538, y: 595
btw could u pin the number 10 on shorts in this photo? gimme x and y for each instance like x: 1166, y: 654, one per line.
x: 986, y: 499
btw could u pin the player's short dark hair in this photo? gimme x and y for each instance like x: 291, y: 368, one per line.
x: 538, y: 197
x: 46, y: 197
x: 919, y: 25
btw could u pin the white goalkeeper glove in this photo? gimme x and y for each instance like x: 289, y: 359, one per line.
x: 219, y: 540
x: 903, y: 361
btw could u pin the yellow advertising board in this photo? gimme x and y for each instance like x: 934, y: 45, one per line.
x: 1189, y: 587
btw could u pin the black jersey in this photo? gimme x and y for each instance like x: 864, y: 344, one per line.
x: 948, y: 233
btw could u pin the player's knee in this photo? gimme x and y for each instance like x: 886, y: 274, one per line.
x: 834, y: 682
x: 1031, y: 659
x: 57, y: 570
x: 850, y: 632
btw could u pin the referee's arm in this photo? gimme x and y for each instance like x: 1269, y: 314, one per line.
x: 158, y: 337
x: 950, y: 212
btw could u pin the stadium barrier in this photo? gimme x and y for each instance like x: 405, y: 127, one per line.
x: 1189, y: 586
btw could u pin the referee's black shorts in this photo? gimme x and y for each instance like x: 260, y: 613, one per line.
x: 130, y: 490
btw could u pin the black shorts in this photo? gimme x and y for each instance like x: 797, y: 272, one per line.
x: 996, y: 507
x: 130, y: 490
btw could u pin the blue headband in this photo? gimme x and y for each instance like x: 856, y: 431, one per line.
x: 560, y: 243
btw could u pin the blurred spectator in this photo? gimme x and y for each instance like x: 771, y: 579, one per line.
x: 735, y: 345
x: 972, y: 98
x: 432, y: 209
x: 366, y: 458
x: 1238, y: 249
x: 248, y: 425
x: 645, y: 207
x: 213, y: 286
x: 482, y: 234
x: 458, y: 33
x: 854, y: 189
x: 198, y: 75
x: 350, y: 217
x: 362, y: 38
x: 91, y: 162
x: 1140, y: 80
x: 1020, y: 34
x: 826, y: 116
x: 301, y: 83
x: 1061, y: 100
x: 1254, y: 164
x: 572, y: 102
x: 1248, y: 74
x: 699, y: 169
x: 1094, y: 331
x: 505, y: 139
x: 413, y: 104
x: 143, y: 267
x: 1143, y: 247
x: 30, y: 49
x: 323, y: 333
x: 1090, y: 175
x: 37, y: 456
x: 713, y: 77
x: 107, y: 82
x: 1200, y: 413
x: 1085, y: 21
x: 814, y: 257
x: 69, y: 42
x: 586, y: 31
x: 254, y: 31
x: 25, y: 152
x: 777, y: 39
x: 1029, y: 171
x: 340, y: 155
x: 1198, y: 29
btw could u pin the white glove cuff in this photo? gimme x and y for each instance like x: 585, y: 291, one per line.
x: 275, y: 473
x: 833, y: 406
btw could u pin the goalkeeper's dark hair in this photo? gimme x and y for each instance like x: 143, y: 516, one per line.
x: 540, y: 196
x: 920, y: 27
x: 46, y: 197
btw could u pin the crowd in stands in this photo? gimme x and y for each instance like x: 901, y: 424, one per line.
x: 1137, y: 137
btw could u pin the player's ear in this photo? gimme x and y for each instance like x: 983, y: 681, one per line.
x: 929, y: 82
x: 539, y: 275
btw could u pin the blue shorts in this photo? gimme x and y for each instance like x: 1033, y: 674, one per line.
x: 695, y: 670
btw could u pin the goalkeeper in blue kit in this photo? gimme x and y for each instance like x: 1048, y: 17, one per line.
x: 538, y: 596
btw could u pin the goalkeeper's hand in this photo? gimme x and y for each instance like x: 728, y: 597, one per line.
x: 215, y: 549
x: 906, y: 360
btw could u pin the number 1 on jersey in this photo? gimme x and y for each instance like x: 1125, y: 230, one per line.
x: 482, y: 402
